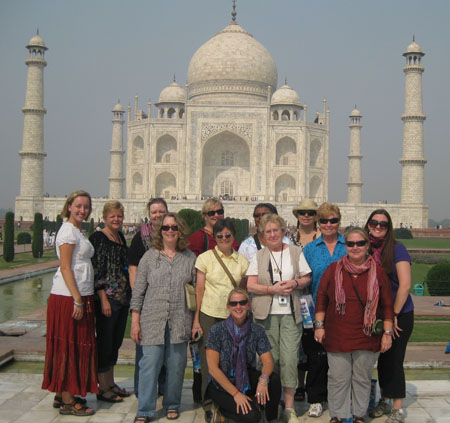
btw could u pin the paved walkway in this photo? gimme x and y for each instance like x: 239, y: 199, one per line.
x: 23, y: 401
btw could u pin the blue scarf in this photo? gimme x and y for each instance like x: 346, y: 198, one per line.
x: 238, y: 355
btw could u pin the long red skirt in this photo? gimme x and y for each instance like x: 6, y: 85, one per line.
x: 71, y: 356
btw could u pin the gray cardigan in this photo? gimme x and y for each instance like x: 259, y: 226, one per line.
x: 159, y: 296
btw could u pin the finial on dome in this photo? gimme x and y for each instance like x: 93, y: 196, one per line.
x: 174, y: 78
x: 355, y: 106
x: 285, y: 80
x: 414, y: 38
x: 233, y: 13
x: 37, y: 31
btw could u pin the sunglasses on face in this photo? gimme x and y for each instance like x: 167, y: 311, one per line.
x: 235, y: 303
x: 307, y: 212
x: 258, y: 215
x: 374, y: 223
x: 166, y: 228
x: 221, y: 236
x: 333, y: 220
x: 351, y: 244
x: 211, y: 213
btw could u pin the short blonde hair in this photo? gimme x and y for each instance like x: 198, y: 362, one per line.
x: 79, y: 193
x: 326, y: 209
x: 183, y: 232
x: 240, y: 291
x: 356, y: 230
x: 210, y: 202
x: 271, y: 218
x: 109, y: 206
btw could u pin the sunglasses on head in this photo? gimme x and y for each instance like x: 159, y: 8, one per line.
x: 307, y: 212
x: 351, y: 244
x: 383, y: 224
x: 211, y: 213
x: 258, y: 215
x: 333, y: 220
x: 235, y: 303
x: 168, y: 227
x: 221, y: 236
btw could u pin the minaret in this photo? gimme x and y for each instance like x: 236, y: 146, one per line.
x: 413, y: 160
x: 116, y: 172
x: 32, y: 153
x: 354, y: 159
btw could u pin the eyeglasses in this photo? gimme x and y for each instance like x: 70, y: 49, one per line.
x: 333, y: 220
x: 351, y: 244
x: 166, y: 228
x: 221, y: 236
x: 258, y: 215
x: 306, y: 212
x: 374, y: 223
x: 235, y: 303
x: 211, y: 213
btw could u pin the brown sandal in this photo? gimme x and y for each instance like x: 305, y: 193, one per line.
x: 120, y: 391
x: 58, y: 402
x: 75, y: 409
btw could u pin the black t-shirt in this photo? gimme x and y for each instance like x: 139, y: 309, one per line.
x: 136, y: 250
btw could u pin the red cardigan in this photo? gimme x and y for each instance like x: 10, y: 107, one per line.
x: 197, y: 241
x: 344, y: 333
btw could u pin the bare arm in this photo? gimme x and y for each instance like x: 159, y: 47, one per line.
x: 65, y: 264
x: 283, y: 288
x: 404, y: 285
x: 200, y: 282
x: 242, y: 401
x: 132, y: 272
x: 135, y: 331
x: 319, y: 333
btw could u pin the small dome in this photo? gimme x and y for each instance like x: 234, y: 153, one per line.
x: 174, y: 93
x: 37, y: 41
x: 355, y: 113
x: 118, y: 108
x: 285, y: 95
x: 413, y: 48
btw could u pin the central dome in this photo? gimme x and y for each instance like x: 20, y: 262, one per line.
x: 232, y: 62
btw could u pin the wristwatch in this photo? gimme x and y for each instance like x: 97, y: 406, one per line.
x: 388, y: 332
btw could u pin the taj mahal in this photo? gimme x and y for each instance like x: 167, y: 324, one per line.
x: 230, y: 132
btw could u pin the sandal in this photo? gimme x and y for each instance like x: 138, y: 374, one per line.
x: 335, y: 420
x: 173, y: 411
x: 58, y: 402
x: 141, y: 419
x: 75, y: 409
x: 109, y: 396
x: 358, y: 419
x: 120, y: 391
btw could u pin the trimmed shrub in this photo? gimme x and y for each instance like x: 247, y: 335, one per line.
x: 8, y: 237
x: 427, y: 258
x: 91, y: 228
x: 193, y: 219
x: 59, y: 222
x: 438, y: 279
x: 242, y: 228
x: 403, y: 233
x: 37, y: 246
x: 23, y: 238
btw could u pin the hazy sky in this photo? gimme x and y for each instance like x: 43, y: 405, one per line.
x: 347, y: 51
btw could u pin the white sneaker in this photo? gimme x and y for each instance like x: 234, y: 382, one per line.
x: 315, y: 410
x: 290, y: 416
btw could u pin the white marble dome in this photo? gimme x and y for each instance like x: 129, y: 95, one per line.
x: 37, y: 41
x: 173, y: 93
x: 286, y: 95
x: 118, y: 108
x: 355, y: 113
x: 232, y: 61
x: 413, y: 48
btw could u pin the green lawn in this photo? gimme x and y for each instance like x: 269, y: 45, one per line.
x: 431, y: 332
x: 26, y: 259
x: 426, y: 243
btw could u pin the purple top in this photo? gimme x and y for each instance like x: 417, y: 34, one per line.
x: 400, y: 254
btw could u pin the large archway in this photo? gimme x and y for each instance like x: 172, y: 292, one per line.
x: 137, y: 153
x: 284, y: 188
x: 314, y: 187
x: 286, y: 152
x: 166, y: 185
x: 225, y: 166
x: 314, y: 153
x: 166, y: 149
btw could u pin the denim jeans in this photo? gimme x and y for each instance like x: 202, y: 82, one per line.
x: 174, y: 357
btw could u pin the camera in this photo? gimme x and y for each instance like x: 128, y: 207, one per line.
x: 282, y: 300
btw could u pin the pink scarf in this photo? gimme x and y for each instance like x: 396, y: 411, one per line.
x: 377, y: 245
x: 147, y: 235
x: 373, y: 290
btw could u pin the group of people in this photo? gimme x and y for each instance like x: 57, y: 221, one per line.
x: 340, y: 300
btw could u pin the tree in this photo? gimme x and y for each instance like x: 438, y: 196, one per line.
x: 91, y: 228
x: 193, y: 218
x: 59, y: 222
x: 37, y: 245
x: 8, y: 244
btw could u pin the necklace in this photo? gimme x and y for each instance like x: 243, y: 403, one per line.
x: 170, y: 255
x: 112, y: 236
x: 278, y: 269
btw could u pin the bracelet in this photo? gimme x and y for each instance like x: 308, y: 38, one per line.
x: 296, y: 283
x: 78, y: 304
x: 237, y: 392
x: 318, y: 324
x: 262, y: 382
x: 388, y: 332
x: 262, y: 375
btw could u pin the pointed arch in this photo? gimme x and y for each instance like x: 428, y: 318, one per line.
x: 315, y: 150
x: 166, y: 185
x: 137, y: 148
x: 285, y: 188
x: 166, y: 149
x: 286, y: 152
x: 315, y: 185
